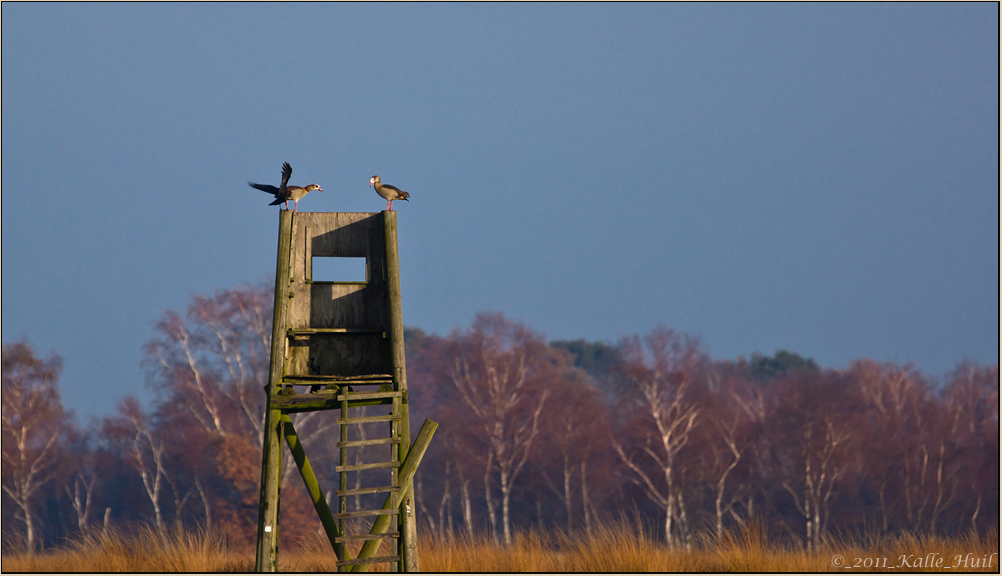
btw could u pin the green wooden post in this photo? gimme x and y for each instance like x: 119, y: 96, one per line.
x: 271, y: 460
x: 312, y: 486
x: 407, y: 470
x: 407, y: 522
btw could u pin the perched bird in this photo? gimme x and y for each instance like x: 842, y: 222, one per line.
x: 284, y: 192
x: 391, y: 193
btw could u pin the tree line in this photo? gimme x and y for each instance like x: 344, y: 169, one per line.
x: 556, y: 435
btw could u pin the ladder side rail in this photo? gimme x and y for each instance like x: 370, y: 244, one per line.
x: 342, y: 499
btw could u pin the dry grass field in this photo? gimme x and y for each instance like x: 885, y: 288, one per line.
x: 620, y: 548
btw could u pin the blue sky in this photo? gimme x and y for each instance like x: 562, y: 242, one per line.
x: 822, y: 178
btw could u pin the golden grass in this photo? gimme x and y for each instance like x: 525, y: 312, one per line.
x: 621, y: 547
x: 626, y: 548
x: 141, y: 550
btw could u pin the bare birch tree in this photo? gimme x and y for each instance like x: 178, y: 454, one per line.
x: 215, y: 362
x: 498, y: 369
x: 83, y: 479
x: 661, y: 371
x: 33, y: 424
x: 578, y: 421
x: 146, y: 454
x: 821, y: 470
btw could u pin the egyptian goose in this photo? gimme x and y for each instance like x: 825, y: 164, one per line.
x: 391, y: 193
x: 284, y: 193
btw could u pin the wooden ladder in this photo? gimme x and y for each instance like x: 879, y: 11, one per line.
x: 347, y: 397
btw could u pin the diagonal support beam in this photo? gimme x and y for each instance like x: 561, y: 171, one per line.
x: 406, y: 474
x: 312, y: 486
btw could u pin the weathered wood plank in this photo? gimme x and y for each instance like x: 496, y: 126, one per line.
x: 356, y: 537
x: 370, y: 466
x: 360, y: 380
x: 374, y: 442
x: 373, y: 490
x: 339, y: 354
x: 366, y: 419
x: 371, y: 395
x: 343, y: 305
x: 323, y: 400
x: 366, y: 513
x: 376, y: 560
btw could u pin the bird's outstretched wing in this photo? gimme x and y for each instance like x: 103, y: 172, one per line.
x: 280, y: 193
x: 264, y: 188
x: 286, y: 174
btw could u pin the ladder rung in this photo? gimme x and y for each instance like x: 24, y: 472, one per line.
x: 369, y: 395
x: 362, y: 513
x: 375, y: 560
x: 373, y: 466
x: 384, y: 536
x: 375, y: 490
x: 375, y: 442
x: 364, y: 419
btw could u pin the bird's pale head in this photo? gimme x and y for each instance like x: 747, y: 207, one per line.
x: 374, y: 180
x: 313, y: 187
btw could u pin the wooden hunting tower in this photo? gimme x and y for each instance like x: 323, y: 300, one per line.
x: 339, y: 345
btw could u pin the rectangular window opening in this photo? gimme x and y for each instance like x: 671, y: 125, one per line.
x: 329, y: 269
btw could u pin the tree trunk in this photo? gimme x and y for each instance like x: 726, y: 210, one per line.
x: 505, y: 498
x: 584, y: 497
x: 683, y: 522
x: 445, y: 503
x: 29, y: 522
x: 491, y: 514
x: 720, y: 512
x: 467, y: 506
x: 568, y: 471
x: 205, y: 502
x: 668, y: 514
x: 670, y: 510
x: 419, y: 498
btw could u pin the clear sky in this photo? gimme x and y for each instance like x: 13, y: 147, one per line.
x: 822, y: 178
